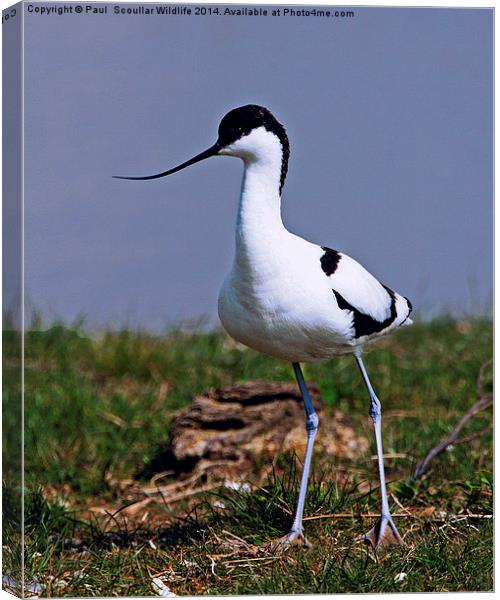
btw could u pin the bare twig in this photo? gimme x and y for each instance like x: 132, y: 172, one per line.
x: 484, y: 401
x: 416, y: 515
x: 396, y: 500
x: 473, y: 436
x: 166, y: 489
x: 188, y: 493
x: 350, y: 516
x: 160, y: 396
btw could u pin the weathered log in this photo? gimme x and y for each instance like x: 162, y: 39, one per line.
x: 236, y: 424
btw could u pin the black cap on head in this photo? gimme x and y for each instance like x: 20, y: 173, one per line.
x: 241, y: 121
x: 244, y: 119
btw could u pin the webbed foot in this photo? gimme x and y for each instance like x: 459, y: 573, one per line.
x: 383, y: 534
x: 294, y: 538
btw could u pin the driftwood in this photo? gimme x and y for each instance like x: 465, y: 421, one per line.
x: 233, y: 426
x: 483, y: 402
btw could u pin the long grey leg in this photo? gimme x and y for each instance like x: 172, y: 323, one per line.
x: 375, y: 413
x: 385, y: 532
x: 312, y: 423
x: 296, y: 535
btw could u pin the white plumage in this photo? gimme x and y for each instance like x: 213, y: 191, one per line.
x: 279, y: 297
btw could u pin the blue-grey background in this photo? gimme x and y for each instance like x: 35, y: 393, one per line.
x: 389, y: 115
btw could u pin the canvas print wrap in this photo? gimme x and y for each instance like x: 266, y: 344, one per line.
x: 247, y: 299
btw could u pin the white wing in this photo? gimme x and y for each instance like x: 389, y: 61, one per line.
x: 375, y: 307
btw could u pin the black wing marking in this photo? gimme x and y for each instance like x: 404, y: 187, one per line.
x: 364, y: 324
x: 361, y: 293
x: 329, y: 260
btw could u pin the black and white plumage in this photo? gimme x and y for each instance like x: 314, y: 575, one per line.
x: 375, y: 308
x: 288, y: 297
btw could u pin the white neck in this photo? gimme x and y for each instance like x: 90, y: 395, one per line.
x: 260, y: 198
x: 259, y: 221
x: 259, y: 225
x: 259, y: 213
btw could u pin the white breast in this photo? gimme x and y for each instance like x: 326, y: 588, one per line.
x: 279, y: 301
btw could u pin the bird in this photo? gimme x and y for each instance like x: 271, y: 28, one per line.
x: 292, y: 299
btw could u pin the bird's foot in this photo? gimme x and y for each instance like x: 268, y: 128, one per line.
x: 294, y: 538
x: 383, y: 534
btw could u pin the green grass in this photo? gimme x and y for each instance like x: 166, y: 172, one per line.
x: 97, y: 412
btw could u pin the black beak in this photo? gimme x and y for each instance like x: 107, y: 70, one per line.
x: 212, y: 151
